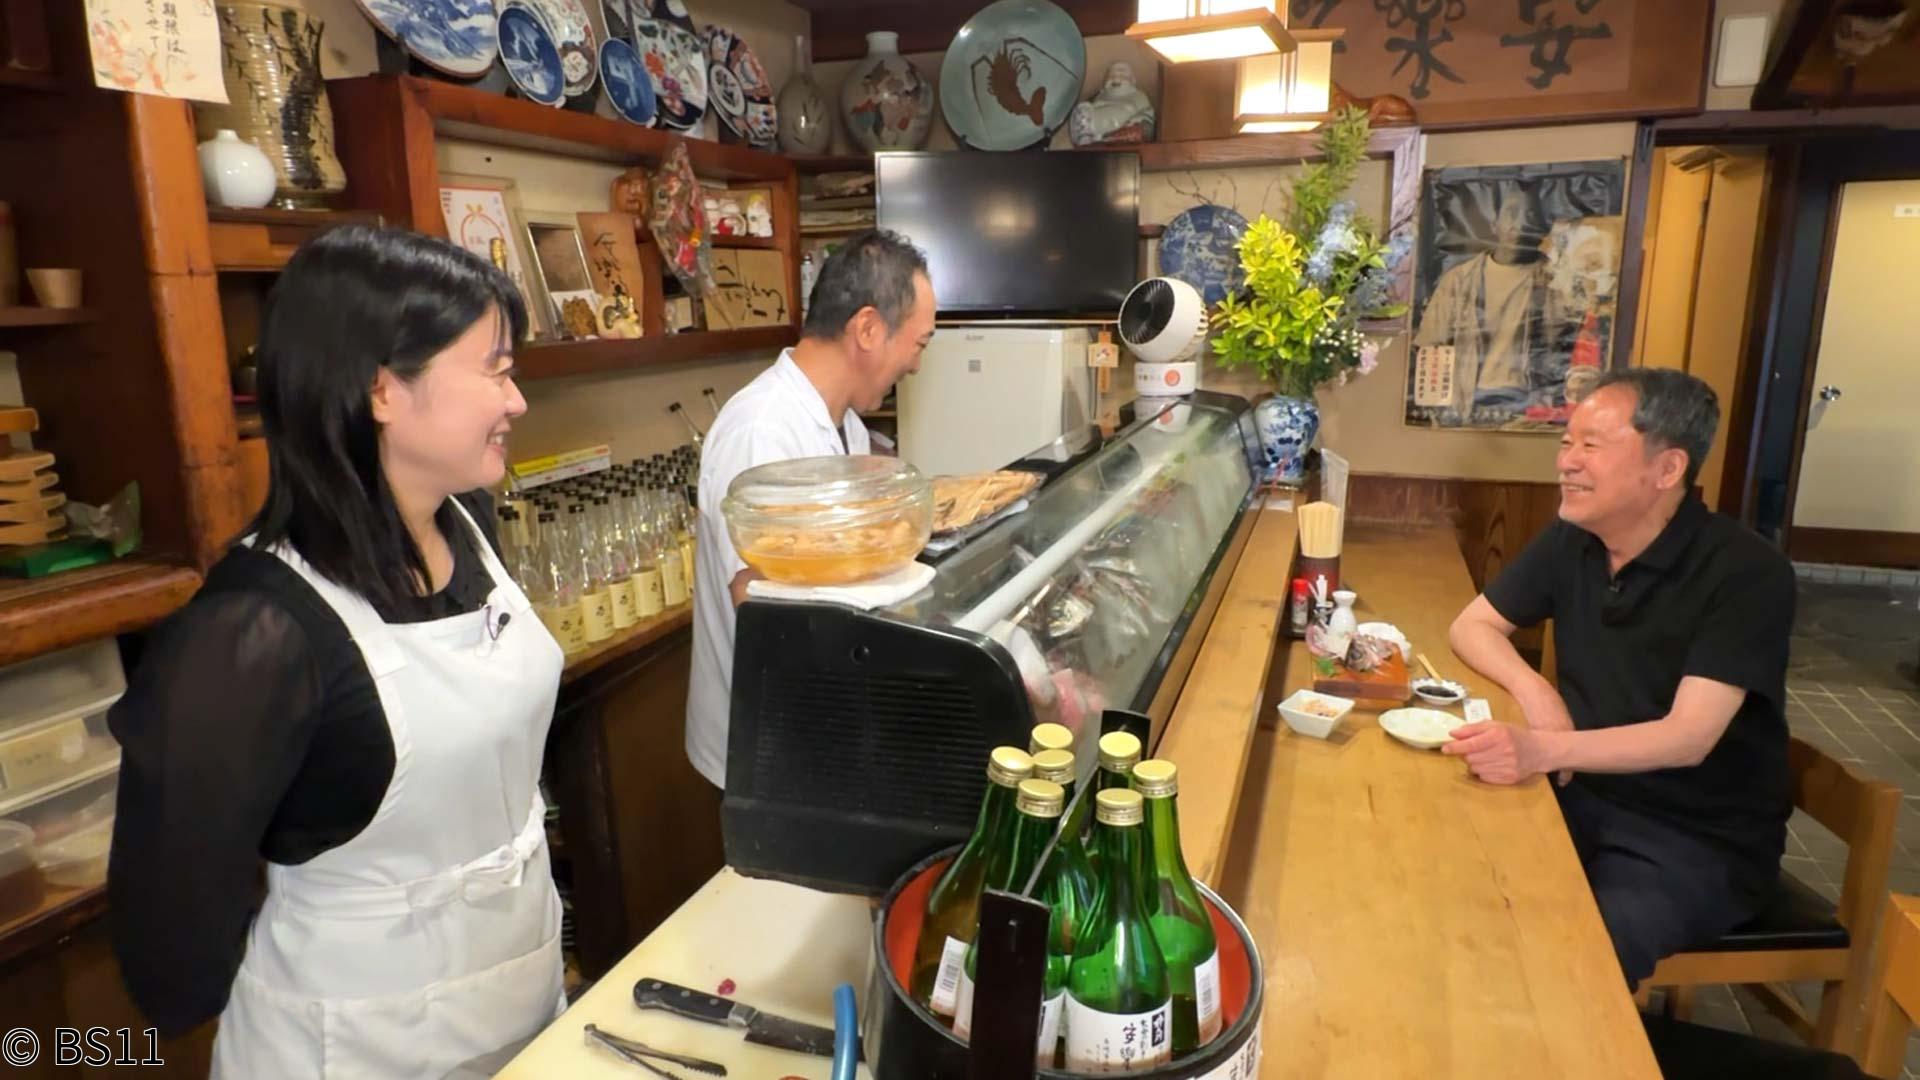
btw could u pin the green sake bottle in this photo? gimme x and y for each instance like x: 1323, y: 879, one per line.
x: 953, y: 906
x: 1039, y: 805
x: 1119, y: 1008
x: 1181, y: 922
x: 1119, y: 752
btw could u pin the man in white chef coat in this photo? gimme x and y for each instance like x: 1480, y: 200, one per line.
x: 870, y: 316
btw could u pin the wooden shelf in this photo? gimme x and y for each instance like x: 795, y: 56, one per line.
x: 261, y: 241
x: 562, y: 358
x: 463, y: 112
x: 41, y: 316
x: 63, y: 911
x: 632, y: 639
x: 766, y: 243
x: 39, y: 615
x: 29, y: 80
x: 815, y: 164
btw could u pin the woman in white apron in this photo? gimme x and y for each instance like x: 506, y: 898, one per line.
x: 359, y: 696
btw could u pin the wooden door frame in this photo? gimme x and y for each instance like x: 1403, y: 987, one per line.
x: 1809, y: 156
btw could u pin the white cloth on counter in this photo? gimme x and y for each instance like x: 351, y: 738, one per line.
x: 865, y: 595
x: 778, y: 416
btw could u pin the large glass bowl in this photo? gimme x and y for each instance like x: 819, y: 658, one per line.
x: 829, y: 520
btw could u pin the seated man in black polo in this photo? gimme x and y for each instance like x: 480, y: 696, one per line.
x: 1670, y: 623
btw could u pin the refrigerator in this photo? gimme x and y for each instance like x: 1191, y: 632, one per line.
x: 987, y: 395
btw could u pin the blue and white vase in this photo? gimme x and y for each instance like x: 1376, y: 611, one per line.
x: 1287, y: 426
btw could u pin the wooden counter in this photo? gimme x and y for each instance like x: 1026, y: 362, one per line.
x: 1414, y: 921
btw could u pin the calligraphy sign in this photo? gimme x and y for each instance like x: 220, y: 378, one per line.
x: 1468, y: 62
x: 165, y: 47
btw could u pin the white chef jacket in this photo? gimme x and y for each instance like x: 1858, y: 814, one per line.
x: 779, y: 416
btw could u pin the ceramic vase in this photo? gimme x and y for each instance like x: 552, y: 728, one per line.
x: 276, y: 99
x: 236, y: 173
x: 1287, y: 426
x: 806, y: 120
x: 886, y: 104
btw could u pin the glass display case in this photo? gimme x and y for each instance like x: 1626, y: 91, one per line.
x: 858, y: 739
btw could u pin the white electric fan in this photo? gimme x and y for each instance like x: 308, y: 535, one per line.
x: 1163, y: 322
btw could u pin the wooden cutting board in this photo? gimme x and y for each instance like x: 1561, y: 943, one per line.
x: 26, y: 513
x: 13, y: 421
x: 30, y: 488
x: 16, y: 467
x: 1387, y: 683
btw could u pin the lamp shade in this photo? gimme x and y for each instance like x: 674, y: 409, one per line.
x: 1190, y: 30
x: 1290, y: 91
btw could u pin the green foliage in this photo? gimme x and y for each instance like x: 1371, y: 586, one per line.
x: 1343, y: 144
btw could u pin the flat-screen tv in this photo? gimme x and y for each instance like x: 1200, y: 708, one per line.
x: 1041, y: 233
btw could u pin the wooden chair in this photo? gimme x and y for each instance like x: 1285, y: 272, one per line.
x: 1891, y: 1014
x: 1803, y: 936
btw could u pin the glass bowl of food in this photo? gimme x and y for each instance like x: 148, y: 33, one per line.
x: 829, y: 520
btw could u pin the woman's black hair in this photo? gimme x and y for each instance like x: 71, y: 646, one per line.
x: 353, y: 301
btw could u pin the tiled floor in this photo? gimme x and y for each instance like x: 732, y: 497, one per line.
x: 1853, y: 691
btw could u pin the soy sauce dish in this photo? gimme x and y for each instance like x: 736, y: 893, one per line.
x: 1439, y: 691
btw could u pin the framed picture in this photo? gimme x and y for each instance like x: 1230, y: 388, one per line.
x: 613, y: 261
x: 560, y: 268
x: 479, y: 212
x: 1517, y: 277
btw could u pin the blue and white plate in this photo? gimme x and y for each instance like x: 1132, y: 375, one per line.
x: 676, y: 61
x: 629, y: 90
x: 1202, y: 248
x: 738, y: 89
x: 574, y: 37
x: 454, y: 37
x: 1012, y: 75
x: 531, y: 58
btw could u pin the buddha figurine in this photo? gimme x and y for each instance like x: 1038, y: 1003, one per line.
x: 1119, y: 112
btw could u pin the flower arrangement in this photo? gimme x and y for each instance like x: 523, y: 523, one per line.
x: 1312, y: 278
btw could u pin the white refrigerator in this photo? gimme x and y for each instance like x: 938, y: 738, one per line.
x: 988, y: 395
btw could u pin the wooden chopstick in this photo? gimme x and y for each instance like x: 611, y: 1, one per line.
x: 1425, y: 663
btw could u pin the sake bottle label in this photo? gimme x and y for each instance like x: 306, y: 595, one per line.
x: 963, y: 1006
x: 563, y: 622
x: 598, y: 609
x: 624, y: 613
x: 674, y: 580
x: 1243, y: 1065
x: 946, y: 986
x: 1050, y: 1011
x: 1103, y: 1042
x: 648, y: 594
x: 1206, y: 997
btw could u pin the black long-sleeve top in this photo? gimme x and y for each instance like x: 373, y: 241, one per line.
x: 250, y: 730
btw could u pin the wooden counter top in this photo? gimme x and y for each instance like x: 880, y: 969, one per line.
x: 1414, y: 921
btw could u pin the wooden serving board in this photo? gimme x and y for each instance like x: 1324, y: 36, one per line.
x: 17, y: 467
x: 33, y: 510
x: 1387, y: 683
x: 28, y: 489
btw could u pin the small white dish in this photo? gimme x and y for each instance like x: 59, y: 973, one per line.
x: 1439, y: 691
x: 1425, y: 729
x: 1386, y: 631
x: 1316, y: 725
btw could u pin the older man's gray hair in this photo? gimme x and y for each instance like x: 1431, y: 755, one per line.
x: 1672, y: 410
x: 873, y: 269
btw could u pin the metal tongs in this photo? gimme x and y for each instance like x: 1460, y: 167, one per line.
x: 635, y: 1052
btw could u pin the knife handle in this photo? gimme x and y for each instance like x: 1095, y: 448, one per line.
x: 692, y: 1004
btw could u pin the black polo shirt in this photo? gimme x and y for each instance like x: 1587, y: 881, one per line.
x: 1708, y: 598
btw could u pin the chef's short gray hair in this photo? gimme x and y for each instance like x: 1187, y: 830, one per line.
x: 1672, y: 410
x: 873, y: 269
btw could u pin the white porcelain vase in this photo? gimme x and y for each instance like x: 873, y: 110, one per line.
x: 236, y: 173
x: 886, y: 104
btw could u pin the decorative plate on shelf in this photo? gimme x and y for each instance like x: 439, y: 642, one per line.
x: 454, y: 37
x: 666, y: 11
x: 529, y: 54
x: 1012, y: 75
x: 738, y: 88
x: 618, y: 21
x: 574, y: 37
x: 624, y: 76
x: 677, y: 64
x: 1202, y: 248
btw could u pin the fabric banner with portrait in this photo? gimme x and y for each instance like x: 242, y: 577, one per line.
x: 1518, y: 273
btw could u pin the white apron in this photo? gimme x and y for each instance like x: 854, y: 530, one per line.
x: 432, y: 937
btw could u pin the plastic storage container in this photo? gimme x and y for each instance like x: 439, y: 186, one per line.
x: 72, y: 829
x: 22, y: 889
x: 829, y: 520
x: 53, y: 726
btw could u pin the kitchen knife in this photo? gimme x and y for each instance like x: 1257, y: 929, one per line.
x: 763, y: 1028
